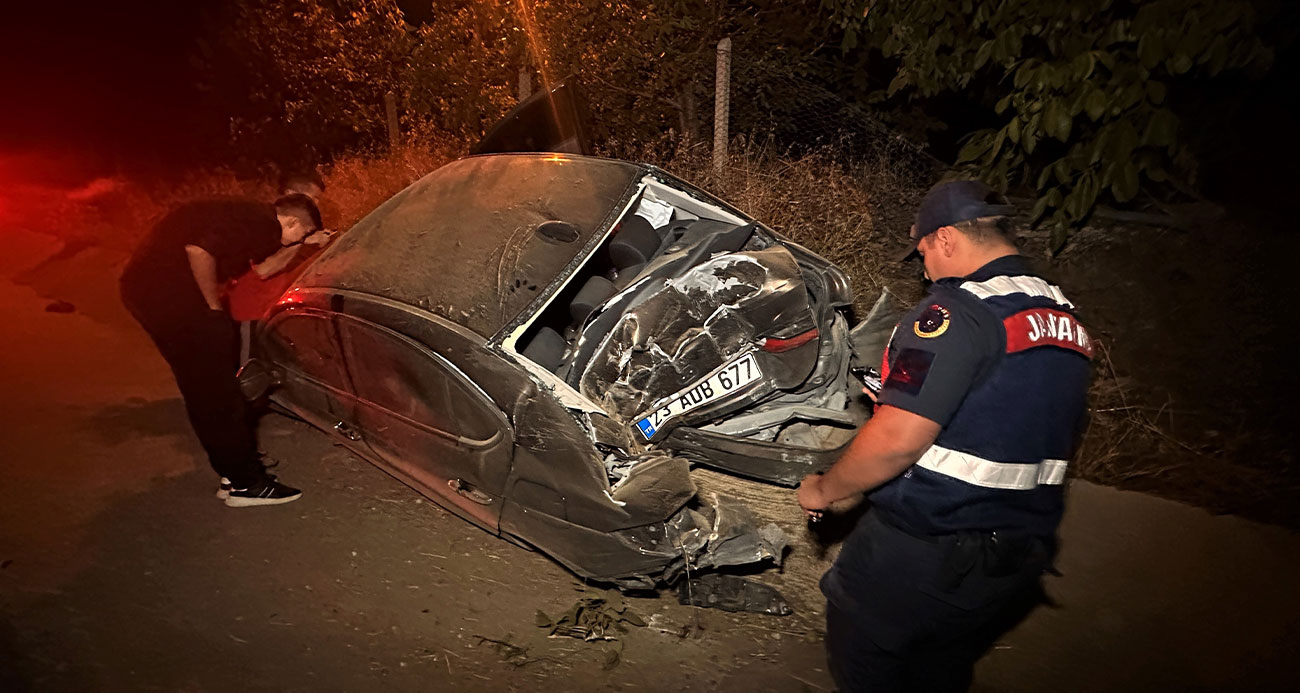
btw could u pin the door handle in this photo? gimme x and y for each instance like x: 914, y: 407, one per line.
x: 467, y: 490
x: 347, y: 431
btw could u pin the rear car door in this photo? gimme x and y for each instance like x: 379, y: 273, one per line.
x: 304, y: 345
x: 427, y: 423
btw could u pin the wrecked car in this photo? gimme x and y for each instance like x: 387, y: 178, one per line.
x: 543, y: 343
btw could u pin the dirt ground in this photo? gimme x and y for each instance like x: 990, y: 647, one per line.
x: 120, y: 571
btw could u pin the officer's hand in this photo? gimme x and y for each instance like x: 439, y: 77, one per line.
x: 810, y: 497
x: 870, y: 395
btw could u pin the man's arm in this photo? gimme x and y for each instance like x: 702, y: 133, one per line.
x: 890, y: 442
x: 276, y: 262
x: 204, y: 268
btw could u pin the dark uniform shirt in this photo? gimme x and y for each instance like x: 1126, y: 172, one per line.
x: 236, y: 232
x: 999, y: 359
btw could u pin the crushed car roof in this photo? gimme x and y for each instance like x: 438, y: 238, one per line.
x: 470, y: 241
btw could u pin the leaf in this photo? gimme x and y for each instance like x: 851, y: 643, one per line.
x: 1149, y: 52
x: 982, y: 55
x: 1050, y: 119
x: 1074, y: 206
x: 1023, y: 75
x: 900, y: 81
x: 1083, y: 65
x: 1179, y: 63
x: 1060, y: 234
x: 1122, y: 141
x: 1125, y: 186
x: 1063, y: 122
x: 1095, y: 104
x: 1162, y: 129
x: 998, y: 139
x: 974, y: 148
x: 1040, y: 207
x: 1002, y: 104
x: 1030, y: 135
x: 1155, y: 92
x: 1013, y: 130
x: 1044, y: 177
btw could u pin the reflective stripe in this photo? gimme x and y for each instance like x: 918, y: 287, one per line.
x: 989, y: 474
x: 1004, y: 286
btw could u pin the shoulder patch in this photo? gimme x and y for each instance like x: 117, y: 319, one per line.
x: 933, y: 322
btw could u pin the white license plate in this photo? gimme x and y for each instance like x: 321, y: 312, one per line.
x: 728, y: 379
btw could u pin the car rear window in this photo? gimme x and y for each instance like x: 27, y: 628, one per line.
x: 463, y: 241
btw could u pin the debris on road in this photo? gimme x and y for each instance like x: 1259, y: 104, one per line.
x: 590, y: 619
x: 732, y: 593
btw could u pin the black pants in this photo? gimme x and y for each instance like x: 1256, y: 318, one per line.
x: 907, y: 613
x: 201, y: 347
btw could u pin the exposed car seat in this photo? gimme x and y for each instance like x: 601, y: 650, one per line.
x: 626, y: 275
x: 634, y: 243
x: 546, y: 349
x: 591, y: 295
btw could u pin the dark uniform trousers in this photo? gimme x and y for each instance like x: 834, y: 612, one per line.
x: 201, y: 346
x: 914, y: 613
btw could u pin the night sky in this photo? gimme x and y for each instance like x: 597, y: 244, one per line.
x: 112, y: 77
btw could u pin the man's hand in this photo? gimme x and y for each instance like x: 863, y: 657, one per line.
x: 810, y: 497
x: 319, y: 237
x: 889, y: 443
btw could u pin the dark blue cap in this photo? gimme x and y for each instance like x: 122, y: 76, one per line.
x: 949, y: 203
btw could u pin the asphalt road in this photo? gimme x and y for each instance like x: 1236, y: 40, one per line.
x: 119, y: 570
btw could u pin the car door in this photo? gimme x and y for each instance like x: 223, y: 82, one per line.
x: 428, y: 424
x: 304, y: 346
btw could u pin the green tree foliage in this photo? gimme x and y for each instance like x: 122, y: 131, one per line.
x: 1081, y: 90
x: 296, y: 72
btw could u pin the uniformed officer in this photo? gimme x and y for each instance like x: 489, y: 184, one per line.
x: 984, y: 393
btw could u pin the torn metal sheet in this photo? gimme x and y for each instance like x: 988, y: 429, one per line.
x: 732, y: 593
x: 721, y: 533
x: 693, y: 323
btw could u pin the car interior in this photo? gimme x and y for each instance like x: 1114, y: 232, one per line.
x: 661, y: 222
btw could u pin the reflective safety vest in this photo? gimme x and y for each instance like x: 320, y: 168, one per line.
x: 999, y: 463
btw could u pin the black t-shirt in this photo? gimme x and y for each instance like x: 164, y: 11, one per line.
x: 236, y: 232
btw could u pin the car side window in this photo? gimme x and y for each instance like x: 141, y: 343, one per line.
x: 398, y: 375
x: 306, y: 342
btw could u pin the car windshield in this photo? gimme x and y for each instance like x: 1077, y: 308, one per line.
x: 471, y: 241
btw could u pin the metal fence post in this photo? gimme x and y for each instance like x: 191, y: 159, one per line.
x: 722, y: 105
x: 390, y: 109
x: 525, y: 83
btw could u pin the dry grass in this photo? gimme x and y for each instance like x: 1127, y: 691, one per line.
x: 356, y: 184
x: 846, y: 213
